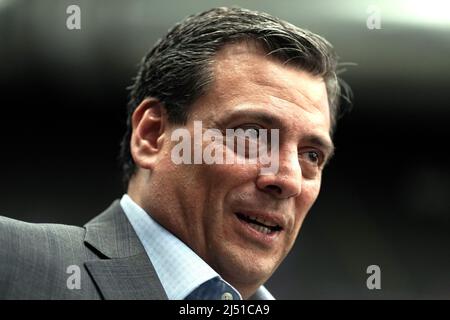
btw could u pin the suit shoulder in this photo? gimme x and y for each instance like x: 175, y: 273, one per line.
x: 24, y: 242
x: 21, y: 233
x: 37, y: 255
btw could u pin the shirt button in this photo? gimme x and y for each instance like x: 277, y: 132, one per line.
x: 227, y: 296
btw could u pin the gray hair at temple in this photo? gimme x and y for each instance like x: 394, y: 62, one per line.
x: 178, y: 69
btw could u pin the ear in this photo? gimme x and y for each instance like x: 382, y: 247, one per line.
x: 148, y: 122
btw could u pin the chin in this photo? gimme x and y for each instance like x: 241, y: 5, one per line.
x: 245, y: 267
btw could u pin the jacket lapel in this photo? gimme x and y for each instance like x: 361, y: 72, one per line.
x: 125, y: 271
x: 130, y: 278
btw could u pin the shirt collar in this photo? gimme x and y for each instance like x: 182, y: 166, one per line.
x: 179, y: 269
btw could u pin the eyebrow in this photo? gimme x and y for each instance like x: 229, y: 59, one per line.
x: 260, y: 116
x: 325, y: 144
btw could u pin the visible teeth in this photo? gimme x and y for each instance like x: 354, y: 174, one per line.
x: 260, y: 220
x: 261, y: 229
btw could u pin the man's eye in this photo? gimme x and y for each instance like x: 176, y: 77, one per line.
x: 251, y: 132
x: 312, y: 156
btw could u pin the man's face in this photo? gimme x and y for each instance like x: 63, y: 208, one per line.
x: 212, y: 205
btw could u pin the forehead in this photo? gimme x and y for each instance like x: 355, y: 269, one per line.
x: 245, y: 78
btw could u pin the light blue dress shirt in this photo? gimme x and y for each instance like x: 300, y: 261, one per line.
x: 179, y: 269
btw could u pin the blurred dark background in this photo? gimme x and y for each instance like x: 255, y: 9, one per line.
x: 385, y: 198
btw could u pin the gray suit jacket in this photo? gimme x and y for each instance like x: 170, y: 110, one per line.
x: 34, y: 260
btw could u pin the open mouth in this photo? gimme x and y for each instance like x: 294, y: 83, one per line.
x: 258, y: 224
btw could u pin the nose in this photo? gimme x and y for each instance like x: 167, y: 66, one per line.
x: 285, y: 183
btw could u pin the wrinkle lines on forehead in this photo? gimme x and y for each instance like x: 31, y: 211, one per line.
x: 243, y: 76
x: 267, y: 75
x: 295, y: 97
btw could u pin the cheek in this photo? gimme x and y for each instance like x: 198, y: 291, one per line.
x: 225, y: 182
x: 302, y: 206
x: 230, y: 174
x: 310, y: 192
x: 210, y: 185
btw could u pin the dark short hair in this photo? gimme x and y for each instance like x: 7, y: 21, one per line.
x: 178, y: 69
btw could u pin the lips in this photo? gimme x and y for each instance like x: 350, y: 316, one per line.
x: 261, y: 222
